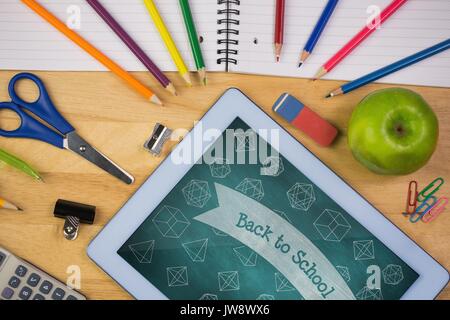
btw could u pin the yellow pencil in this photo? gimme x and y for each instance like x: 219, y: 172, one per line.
x: 167, y: 38
x: 8, y: 205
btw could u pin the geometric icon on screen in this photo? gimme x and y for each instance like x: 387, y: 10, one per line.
x: 170, y: 222
x: 209, y: 296
x: 219, y: 233
x: 282, y: 284
x: 143, y: 251
x: 363, y: 250
x: 247, y: 256
x: 220, y: 168
x: 265, y: 296
x: 252, y: 188
x: 301, y: 196
x: 177, y: 276
x: 273, y: 166
x: 228, y: 280
x: 392, y: 274
x: 345, y: 273
x: 196, y: 250
x: 283, y: 215
x: 369, y: 294
x: 332, y: 225
x: 246, y: 141
x: 197, y: 193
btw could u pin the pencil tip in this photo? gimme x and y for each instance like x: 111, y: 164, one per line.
x: 300, y: 64
x: 156, y: 100
x: 19, y: 209
x: 328, y: 96
x: 278, y: 58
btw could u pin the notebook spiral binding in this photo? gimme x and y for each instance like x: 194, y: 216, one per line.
x: 228, y: 29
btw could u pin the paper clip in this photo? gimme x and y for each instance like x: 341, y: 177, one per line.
x: 436, y: 210
x: 425, y: 193
x: 411, y: 202
x: 426, y: 206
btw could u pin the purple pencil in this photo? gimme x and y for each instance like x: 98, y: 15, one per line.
x: 132, y: 45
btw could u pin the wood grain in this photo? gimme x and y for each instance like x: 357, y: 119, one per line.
x: 117, y: 121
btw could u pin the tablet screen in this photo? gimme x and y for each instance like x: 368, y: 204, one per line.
x: 244, y: 223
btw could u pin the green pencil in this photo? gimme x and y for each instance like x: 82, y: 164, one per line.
x: 19, y: 164
x: 193, y: 39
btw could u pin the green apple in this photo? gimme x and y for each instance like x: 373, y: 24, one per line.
x: 393, y: 131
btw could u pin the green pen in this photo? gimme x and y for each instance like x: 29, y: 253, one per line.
x: 193, y: 39
x: 19, y: 164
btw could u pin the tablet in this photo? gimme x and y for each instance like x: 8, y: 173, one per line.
x: 241, y: 210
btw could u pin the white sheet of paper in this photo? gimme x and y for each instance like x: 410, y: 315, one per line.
x: 27, y: 42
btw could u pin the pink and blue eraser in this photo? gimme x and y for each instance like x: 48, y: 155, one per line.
x: 303, y: 118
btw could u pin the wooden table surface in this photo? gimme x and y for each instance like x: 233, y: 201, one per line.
x: 118, y: 121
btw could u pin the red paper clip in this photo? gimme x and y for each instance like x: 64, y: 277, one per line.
x: 411, y: 202
x: 425, y: 193
x: 436, y: 210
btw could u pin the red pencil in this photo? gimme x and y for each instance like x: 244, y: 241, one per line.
x: 279, y: 28
x: 360, y: 37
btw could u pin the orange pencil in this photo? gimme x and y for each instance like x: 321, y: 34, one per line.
x: 94, y: 52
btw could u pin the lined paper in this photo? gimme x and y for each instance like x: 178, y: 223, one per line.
x: 418, y: 25
x: 27, y: 42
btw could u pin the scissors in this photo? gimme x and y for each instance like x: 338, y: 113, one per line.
x: 63, y: 136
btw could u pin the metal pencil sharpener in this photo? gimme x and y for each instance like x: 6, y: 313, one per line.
x: 156, y: 142
x: 73, y: 213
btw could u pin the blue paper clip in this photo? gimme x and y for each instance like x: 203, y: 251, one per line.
x: 425, y: 193
x: 425, y: 206
x: 436, y: 210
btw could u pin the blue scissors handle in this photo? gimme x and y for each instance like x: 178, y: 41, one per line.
x: 43, y: 107
x: 30, y: 128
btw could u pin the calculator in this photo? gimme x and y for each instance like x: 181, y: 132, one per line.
x: 20, y: 280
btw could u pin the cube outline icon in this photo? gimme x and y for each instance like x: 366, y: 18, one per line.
x: 228, y: 280
x: 177, y: 276
x: 363, y: 250
x: 332, y: 230
x: 170, y: 222
x: 246, y: 141
x: 344, y: 272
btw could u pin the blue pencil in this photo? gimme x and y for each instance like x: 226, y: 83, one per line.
x: 318, y: 29
x: 371, y: 77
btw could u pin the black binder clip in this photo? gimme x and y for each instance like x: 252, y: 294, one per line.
x: 74, y: 214
x: 159, y: 136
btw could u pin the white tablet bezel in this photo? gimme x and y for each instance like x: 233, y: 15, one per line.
x: 103, y: 249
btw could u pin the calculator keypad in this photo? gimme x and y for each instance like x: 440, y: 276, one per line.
x: 23, y: 281
x: 33, y: 280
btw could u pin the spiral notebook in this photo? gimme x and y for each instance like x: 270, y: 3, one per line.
x: 236, y: 36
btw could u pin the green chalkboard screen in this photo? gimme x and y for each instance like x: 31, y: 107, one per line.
x: 259, y: 231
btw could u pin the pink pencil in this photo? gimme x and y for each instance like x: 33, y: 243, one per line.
x: 359, y: 38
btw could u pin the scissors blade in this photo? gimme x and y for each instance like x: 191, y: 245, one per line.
x: 78, y: 145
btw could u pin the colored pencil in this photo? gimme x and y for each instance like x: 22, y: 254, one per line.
x: 193, y: 39
x: 371, y: 77
x: 279, y: 28
x: 167, y: 38
x: 94, y: 52
x: 318, y: 29
x: 8, y: 205
x: 359, y: 37
x: 19, y: 164
x: 132, y: 45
